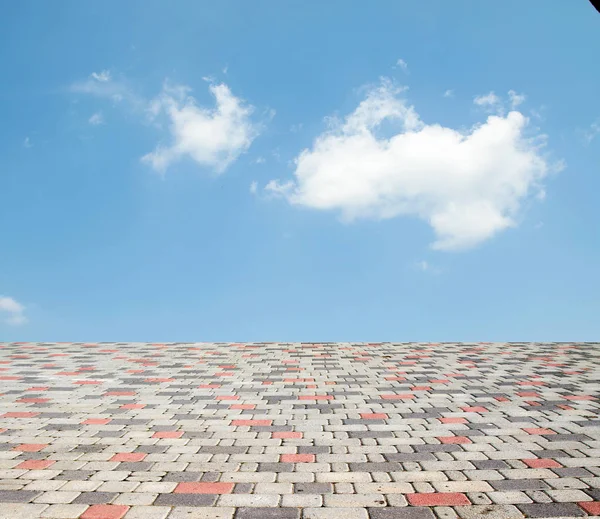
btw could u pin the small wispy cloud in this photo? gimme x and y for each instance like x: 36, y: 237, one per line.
x: 103, y: 76
x: 493, y: 103
x: 590, y: 134
x: 260, y: 160
x: 254, y: 187
x: 102, y: 84
x: 489, y: 100
x: 96, y: 119
x: 14, y: 309
x: 402, y: 65
x: 425, y: 266
x: 515, y: 99
x: 449, y: 93
x: 27, y: 143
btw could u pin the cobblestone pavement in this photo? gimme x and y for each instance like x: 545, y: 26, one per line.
x: 299, y: 430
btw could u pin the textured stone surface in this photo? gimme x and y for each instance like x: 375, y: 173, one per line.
x: 299, y: 430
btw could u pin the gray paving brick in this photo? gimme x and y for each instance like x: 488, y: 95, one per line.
x: 313, y: 488
x: 18, y: 496
x: 185, y: 500
x: 95, y: 498
x: 552, y: 510
x: 401, y: 513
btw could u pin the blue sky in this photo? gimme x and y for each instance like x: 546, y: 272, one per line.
x: 299, y: 171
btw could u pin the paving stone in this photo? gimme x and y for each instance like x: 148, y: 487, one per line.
x: 267, y: 513
x: 512, y: 498
x: 22, y: 511
x: 63, y: 511
x: 488, y: 512
x: 185, y: 500
x: 354, y: 500
x: 552, y: 510
x: 401, y: 513
x: 313, y: 488
x: 56, y: 497
x: 328, y: 513
x: 202, y: 513
x: 135, y: 499
x: 18, y: 496
x: 301, y: 500
x: 105, y: 512
x: 246, y: 500
x: 95, y: 498
x: 148, y: 512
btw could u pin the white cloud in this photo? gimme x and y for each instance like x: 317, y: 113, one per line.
x: 27, y: 143
x: 425, y: 266
x: 449, y: 93
x: 96, y: 119
x: 103, y: 85
x: 515, y: 99
x: 14, y: 309
x: 254, y: 187
x: 402, y: 64
x: 103, y: 76
x: 489, y: 100
x: 467, y: 185
x: 211, y: 137
x: 276, y: 188
x: 590, y: 135
x: 260, y: 160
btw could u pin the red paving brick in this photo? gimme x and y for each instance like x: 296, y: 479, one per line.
x: 591, y: 507
x: 374, y: 416
x: 438, y: 499
x: 129, y: 456
x: 297, y: 458
x: 542, y: 463
x: 251, y: 423
x: 35, y: 464
x: 105, y: 512
x: 454, y: 439
x: 286, y: 434
x: 204, y: 488
x: 453, y: 420
x: 31, y: 447
x: 19, y: 415
x: 168, y: 434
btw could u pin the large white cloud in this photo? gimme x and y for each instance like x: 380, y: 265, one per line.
x: 211, y: 137
x: 14, y: 309
x: 468, y: 185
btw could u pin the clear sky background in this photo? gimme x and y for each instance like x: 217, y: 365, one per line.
x: 299, y: 170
